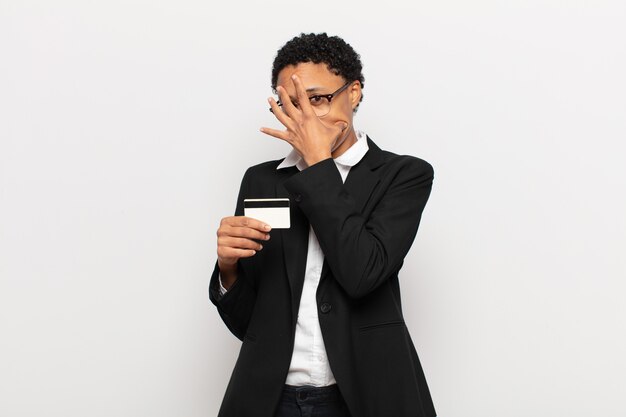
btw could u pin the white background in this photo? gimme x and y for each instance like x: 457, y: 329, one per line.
x: 125, y: 129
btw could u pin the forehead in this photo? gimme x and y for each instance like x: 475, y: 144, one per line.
x: 311, y: 75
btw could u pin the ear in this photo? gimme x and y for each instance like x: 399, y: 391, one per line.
x: 355, y: 93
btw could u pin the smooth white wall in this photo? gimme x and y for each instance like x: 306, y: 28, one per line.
x: 125, y: 128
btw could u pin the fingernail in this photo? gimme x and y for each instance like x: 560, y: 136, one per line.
x: 267, y: 237
x: 293, y: 77
x: 260, y: 247
x: 267, y: 227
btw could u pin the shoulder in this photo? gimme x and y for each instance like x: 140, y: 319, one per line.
x: 407, y: 162
x: 264, y: 168
x: 403, y: 165
x: 268, y: 166
x: 263, y: 175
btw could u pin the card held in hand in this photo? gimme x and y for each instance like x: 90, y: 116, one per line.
x: 273, y: 211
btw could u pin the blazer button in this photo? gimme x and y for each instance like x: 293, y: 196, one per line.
x: 325, y: 308
x: 297, y: 197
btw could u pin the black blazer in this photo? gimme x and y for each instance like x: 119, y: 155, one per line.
x: 365, y: 228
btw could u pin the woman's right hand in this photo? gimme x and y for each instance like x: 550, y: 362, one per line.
x: 237, y: 237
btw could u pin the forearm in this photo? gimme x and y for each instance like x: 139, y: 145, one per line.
x: 363, y: 250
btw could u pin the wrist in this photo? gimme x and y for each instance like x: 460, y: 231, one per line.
x: 228, y: 273
x: 226, y: 266
x: 316, y: 158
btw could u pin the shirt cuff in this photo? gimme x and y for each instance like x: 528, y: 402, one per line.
x: 222, y: 289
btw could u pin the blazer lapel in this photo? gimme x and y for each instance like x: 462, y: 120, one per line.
x: 363, y: 178
x: 295, y: 242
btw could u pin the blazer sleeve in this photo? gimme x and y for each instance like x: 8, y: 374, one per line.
x: 364, y: 252
x: 235, y: 307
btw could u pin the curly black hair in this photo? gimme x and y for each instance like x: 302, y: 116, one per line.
x: 333, y: 51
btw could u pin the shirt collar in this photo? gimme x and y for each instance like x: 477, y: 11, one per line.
x: 349, y: 158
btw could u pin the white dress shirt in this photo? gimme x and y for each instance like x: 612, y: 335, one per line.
x: 309, y: 363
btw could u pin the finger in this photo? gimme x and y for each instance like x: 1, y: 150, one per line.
x: 279, y: 113
x: 342, y: 125
x: 290, y: 109
x: 280, y: 134
x: 303, y: 98
x: 339, y: 132
x: 225, y: 253
x: 238, y: 243
x: 243, y: 221
x: 342, y: 129
x: 241, y: 232
x: 246, y: 232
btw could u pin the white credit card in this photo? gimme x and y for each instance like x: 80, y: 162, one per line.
x: 273, y: 211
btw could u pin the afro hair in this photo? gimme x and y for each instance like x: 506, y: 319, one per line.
x: 333, y: 51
